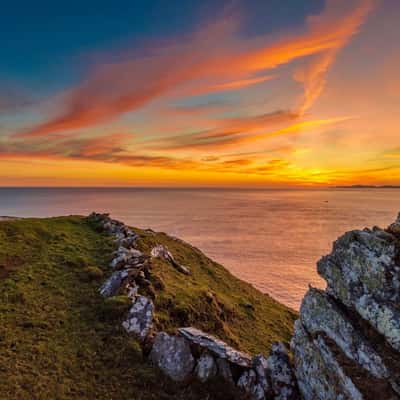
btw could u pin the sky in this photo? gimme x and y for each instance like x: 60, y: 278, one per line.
x: 186, y: 93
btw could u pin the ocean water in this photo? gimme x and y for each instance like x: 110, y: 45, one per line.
x: 270, y: 238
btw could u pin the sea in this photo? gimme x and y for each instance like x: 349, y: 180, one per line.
x: 269, y: 238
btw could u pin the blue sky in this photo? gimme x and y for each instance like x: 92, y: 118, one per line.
x: 46, y: 42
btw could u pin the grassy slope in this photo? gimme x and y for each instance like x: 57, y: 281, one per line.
x: 57, y: 339
x: 213, y: 300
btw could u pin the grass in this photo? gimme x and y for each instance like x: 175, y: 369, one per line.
x: 59, y: 339
x: 213, y: 300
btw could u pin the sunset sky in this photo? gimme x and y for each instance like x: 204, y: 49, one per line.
x: 200, y: 93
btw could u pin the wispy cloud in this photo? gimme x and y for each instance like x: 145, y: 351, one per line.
x: 228, y: 130
x: 313, y: 76
x: 219, y: 139
x: 216, y: 53
x: 12, y: 98
x: 234, y: 85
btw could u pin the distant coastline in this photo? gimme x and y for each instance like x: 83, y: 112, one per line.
x: 367, y: 187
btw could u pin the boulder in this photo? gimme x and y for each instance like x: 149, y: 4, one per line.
x: 113, y: 284
x: 140, y: 317
x: 216, y: 346
x: 346, y: 344
x: 171, y: 354
x: 362, y: 273
x: 206, y: 368
x: 281, y: 374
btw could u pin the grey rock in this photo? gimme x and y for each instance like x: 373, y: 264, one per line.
x: 172, y: 355
x: 318, y: 313
x: 140, y: 317
x: 348, y: 388
x: 131, y: 252
x: 128, y: 241
x: 247, y: 381
x: 362, y: 273
x: 126, y: 258
x: 385, y: 317
x: 248, y: 384
x: 113, y: 284
x: 206, y: 368
x: 258, y: 392
x: 319, y: 375
x: 161, y: 251
x: 395, y: 227
x: 216, y: 346
x: 341, y: 344
x: 119, y: 261
x: 260, y: 366
x: 281, y: 374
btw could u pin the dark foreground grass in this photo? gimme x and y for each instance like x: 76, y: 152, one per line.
x: 60, y: 340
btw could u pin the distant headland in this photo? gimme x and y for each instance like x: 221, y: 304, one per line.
x: 367, y: 187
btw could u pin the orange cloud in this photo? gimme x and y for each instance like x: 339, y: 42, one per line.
x: 239, y: 84
x: 228, y: 130
x: 221, y: 138
x: 215, y: 52
x: 313, y: 76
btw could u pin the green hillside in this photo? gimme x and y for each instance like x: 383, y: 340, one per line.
x: 59, y: 339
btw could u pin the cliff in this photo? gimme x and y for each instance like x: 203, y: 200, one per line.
x: 346, y: 342
x: 116, y: 312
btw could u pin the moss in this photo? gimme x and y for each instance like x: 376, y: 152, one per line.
x: 57, y: 340
x: 93, y: 273
x: 115, y: 307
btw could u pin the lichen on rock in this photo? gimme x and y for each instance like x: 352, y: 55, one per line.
x: 171, y: 354
x: 140, y: 317
x: 346, y: 344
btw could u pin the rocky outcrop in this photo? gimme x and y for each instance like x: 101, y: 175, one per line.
x: 280, y: 372
x: 395, y: 227
x: 347, y: 342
